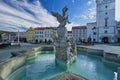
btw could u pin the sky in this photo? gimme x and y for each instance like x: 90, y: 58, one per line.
x: 21, y: 14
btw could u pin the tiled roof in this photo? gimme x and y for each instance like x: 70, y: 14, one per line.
x: 43, y: 28
x: 79, y: 27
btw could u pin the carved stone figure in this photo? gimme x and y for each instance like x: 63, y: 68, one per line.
x: 62, y: 19
x: 65, y: 50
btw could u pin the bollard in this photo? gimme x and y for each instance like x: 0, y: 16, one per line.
x: 118, y: 73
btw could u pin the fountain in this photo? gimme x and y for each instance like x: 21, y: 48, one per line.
x: 65, y: 49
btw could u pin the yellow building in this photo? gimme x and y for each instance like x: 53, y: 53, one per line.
x: 30, y: 35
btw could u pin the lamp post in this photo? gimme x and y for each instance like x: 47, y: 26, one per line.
x: 18, y: 37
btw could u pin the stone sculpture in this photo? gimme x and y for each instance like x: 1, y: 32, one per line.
x: 65, y: 50
x: 62, y: 19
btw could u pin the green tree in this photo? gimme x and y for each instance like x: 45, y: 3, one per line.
x: 89, y: 39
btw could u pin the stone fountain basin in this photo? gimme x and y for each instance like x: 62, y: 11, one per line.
x: 68, y: 76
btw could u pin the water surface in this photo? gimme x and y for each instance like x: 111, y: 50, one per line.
x: 91, y: 67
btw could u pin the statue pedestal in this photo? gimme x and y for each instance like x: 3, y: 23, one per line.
x: 65, y: 55
x: 62, y: 35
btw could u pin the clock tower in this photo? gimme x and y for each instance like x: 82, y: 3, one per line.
x: 106, y: 20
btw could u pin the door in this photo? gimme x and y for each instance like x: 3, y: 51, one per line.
x: 105, y: 40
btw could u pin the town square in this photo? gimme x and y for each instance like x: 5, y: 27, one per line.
x: 59, y: 40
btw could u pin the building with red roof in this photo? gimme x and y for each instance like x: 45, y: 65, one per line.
x: 79, y: 33
x: 43, y: 34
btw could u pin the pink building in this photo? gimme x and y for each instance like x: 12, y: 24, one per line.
x: 21, y: 35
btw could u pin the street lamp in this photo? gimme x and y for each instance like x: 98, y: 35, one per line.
x: 18, y: 37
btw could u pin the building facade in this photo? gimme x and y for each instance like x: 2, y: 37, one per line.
x: 106, y: 21
x: 92, y: 31
x: 30, y: 35
x: 79, y: 33
x: 8, y: 37
x: 21, y: 36
x: 43, y: 34
x: 118, y: 31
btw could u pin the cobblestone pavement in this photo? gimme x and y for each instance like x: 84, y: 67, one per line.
x: 106, y: 48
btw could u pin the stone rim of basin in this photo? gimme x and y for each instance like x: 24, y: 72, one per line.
x: 68, y: 76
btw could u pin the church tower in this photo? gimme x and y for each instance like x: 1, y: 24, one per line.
x: 106, y: 23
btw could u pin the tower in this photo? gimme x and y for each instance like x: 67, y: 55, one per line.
x: 106, y: 20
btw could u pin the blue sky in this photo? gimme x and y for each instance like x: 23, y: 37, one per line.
x: 21, y: 14
x: 80, y: 11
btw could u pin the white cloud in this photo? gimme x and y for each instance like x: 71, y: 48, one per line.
x: 73, y: 1
x: 16, y: 13
x: 92, y: 13
x: 77, y: 16
x: 89, y: 2
x: 84, y: 16
x: 69, y: 26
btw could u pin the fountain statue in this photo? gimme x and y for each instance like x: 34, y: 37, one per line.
x: 65, y: 49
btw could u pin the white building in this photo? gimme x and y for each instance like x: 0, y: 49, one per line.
x: 8, y: 37
x: 106, y: 21
x: 92, y: 31
x: 118, y: 31
x: 43, y: 34
x: 79, y: 33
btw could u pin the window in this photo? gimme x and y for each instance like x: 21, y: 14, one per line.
x: 106, y: 22
x: 80, y: 30
x: 94, y: 40
x: 36, y: 36
x: 93, y: 28
x: 83, y: 30
x: 105, y: 32
x: 106, y: 13
x: 106, y: 6
x: 94, y: 33
x: 118, y: 31
x: 118, y: 24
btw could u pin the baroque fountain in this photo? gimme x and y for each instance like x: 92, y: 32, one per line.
x: 37, y: 64
x: 65, y: 49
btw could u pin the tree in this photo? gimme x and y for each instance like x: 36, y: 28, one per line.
x: 89, y: 39
x: 49, y: 41
x: 45, y: 40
